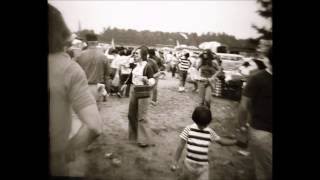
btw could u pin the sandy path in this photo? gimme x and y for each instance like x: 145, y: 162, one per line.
x: 167, y: 120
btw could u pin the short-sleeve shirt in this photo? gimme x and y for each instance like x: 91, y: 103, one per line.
x: 153, y: 65
x: 184, y: 64
x: 259, y: 90
x: 198, y: 141
x: 137, y: 73
x: 93, y: 62
x: 68, y: 86
x: 208, y: 71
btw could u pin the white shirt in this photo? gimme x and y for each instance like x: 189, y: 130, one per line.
x: 125, y: 64
x: 137, y: 75
x: 116, y: 62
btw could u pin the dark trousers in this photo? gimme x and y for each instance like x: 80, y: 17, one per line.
x: 173, y: 70
x: 123, y: 78
x: 183, y: 77
x: 139, y: 130
x: 155, y: 91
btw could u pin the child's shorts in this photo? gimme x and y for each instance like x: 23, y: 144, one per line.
x: 193, y: 171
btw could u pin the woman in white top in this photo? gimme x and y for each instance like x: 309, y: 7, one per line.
x: 142, y: 74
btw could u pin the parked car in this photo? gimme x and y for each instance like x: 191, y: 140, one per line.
x: 232, y: 84
x: 230, y: 61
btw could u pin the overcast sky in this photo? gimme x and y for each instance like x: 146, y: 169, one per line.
x: 233, y: 17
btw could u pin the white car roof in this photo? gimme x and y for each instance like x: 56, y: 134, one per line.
x: 230, y: 55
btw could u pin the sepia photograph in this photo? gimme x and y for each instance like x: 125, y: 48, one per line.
x: 160, y: 90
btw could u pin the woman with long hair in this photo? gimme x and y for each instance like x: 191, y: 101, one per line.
x: 208, y: 71
x: 141, y: 74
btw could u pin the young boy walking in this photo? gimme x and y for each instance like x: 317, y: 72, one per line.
x: 198, y: 136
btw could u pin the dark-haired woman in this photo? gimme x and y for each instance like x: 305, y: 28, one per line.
x: 208, y: 69
x: 141, y: 74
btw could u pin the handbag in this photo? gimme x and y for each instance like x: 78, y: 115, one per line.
x: 142, y: 91
x: 116, y: 80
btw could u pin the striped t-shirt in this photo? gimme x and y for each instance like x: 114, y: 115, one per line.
x: 184, y: 64
x: 198, y: 142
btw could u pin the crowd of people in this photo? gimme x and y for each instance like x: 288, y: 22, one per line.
x: 80, y: 83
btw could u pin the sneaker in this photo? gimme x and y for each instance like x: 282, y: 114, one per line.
x: 182, y: 89
x: 154, y: 103
x: 142, y: 145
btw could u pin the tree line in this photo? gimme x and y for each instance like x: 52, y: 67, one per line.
x: 152, y: 38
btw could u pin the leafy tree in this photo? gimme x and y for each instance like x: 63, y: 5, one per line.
x: 266, y: 12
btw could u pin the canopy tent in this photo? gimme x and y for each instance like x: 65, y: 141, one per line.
x: 210, y: 45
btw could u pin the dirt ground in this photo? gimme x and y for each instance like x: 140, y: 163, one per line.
x: 166, y: 120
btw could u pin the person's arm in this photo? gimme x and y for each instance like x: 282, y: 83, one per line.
x: 85, y: 107
x: 199, y: 64
x: 222, y: 141
x: 158, y: 74
x: 178, y: 154
x: 226, y: 142
x: 214, y: 76
x: 90, y: 129
x: 244, y: 115
x: 148, y: 76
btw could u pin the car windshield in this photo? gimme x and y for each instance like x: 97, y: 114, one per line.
x: 231, y: 58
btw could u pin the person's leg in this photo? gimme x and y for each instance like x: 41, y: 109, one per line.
x: 180, y: 73
x: 204, y: 174
x: 122, y: 80
x: 208, y: 91
x: 128, y: 90
x: 188, y: 172
x: 143, y: 126
x: 195, y: 83
x: 174, y: 71
x: 58, y: 166
x: 184, y: 77
x: 155, y: 92
x: 202, y: 92
x: 180, y: 78
x: 133, y: 117
x: 260, y: 144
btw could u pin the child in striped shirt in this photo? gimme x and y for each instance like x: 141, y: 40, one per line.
x: 198, y: 137
x: 184, y: 65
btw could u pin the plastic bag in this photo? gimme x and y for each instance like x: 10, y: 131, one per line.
x: 116, y: 80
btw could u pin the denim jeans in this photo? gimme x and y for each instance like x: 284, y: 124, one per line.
x: 205, y: 92
x: 137, y: 115
x: 183, y: 77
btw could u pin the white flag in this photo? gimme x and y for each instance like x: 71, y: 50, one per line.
x: 112, y: 44
x: 184, y: 35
